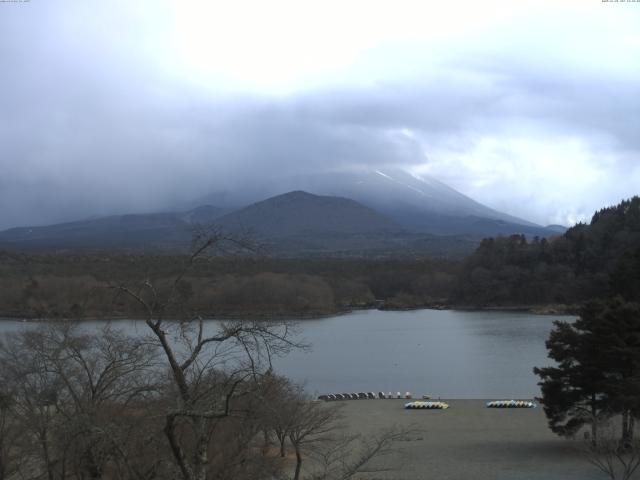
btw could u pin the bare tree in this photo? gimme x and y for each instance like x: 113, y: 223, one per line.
x: 616, y: 458
x: 346, y: 456
x: 311, y: 423
x: 73, y: 395
x: 209, y: 369
x: 34, y: 389
x: 314, y: 431
x: 11, y: 459
x: 280, y: 400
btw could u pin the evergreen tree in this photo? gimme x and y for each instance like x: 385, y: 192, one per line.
x: 573, y: 393
x: 598, y: 369
x: 625, y: 279
x: 616, y: 330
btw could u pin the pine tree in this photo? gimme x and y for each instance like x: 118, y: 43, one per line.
x: 598, y: 369
x: 573, y: 393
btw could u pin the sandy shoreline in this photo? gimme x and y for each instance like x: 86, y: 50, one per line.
x: 469, y: 441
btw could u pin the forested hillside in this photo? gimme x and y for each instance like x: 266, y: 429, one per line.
x: 589, y: 260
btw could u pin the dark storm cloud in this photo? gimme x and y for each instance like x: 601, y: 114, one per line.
x: 93, y: 124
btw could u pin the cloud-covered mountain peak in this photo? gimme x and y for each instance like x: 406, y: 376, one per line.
x: 394, y: 191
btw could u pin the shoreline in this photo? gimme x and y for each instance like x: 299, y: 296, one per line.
x: 545, y: 309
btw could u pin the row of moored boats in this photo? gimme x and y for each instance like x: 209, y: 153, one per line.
x: 365, y: 396
x: 492, y: 404
x: 428, y: 405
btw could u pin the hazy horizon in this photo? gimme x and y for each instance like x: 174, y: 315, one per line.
x: 527, y: 107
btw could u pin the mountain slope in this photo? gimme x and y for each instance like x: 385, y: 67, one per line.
x: 301, y: 213
x: 397, y: 190
x: 408, y: 219
x: 309, y: 222
x: 293, y: 224
x: 419, y: 204
x: 135, y: 231
x: 299, y: 224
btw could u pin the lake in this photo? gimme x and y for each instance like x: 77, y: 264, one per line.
x: 444, y: 353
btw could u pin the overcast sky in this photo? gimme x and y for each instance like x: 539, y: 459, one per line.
x: 532, y: 108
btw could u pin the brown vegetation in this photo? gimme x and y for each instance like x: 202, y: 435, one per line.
x: 74, y: 286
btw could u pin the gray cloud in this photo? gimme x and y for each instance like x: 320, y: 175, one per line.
x: 92, y: 123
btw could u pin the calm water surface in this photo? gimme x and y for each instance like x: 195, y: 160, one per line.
x: 446, y: 353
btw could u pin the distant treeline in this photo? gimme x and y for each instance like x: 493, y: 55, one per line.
x: 56, y: 286
x: 588, y: 261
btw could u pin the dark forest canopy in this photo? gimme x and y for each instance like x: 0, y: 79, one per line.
x: 590, y: 260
